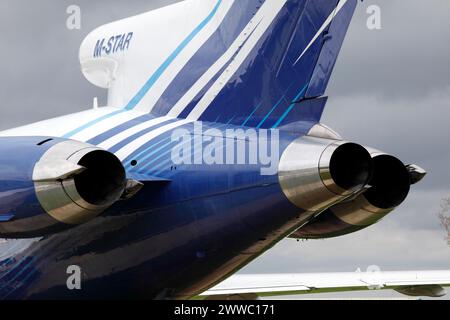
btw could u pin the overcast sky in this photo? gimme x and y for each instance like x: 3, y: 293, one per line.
x: 390, y: 90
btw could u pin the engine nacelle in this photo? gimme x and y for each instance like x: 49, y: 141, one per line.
x: 388, y: 188
x: 316, y: 173
x: 48, y: 185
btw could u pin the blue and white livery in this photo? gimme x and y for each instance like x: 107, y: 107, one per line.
x: 209, y: 151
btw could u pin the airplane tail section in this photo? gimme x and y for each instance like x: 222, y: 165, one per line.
x: 259, y: 63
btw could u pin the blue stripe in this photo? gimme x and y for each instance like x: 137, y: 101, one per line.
x: 229, y: 121
x: 165, y: 152
x: 149, y: 84
x: 251, y: 114
x: 169, y: 151
x: 140, y: 95
x: 116, y: 130
x: 128, y: 162
x: 146, y: 156
x: 188, y: 109
x: 31, y: 274
x: 267, y: 71
x: 128, y: 140
x: 10, y: 283
x: 146, y: 148
x: 93, y: 122
x: 6, y: 217
x: 161, y: 155
x: 285, y: 114
x: 198, y: 149
x: 237, y: 17
x: 156, y: 168
x: 270, y: 112
x: 23, y: 265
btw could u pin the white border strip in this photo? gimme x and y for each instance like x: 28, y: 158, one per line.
x: 216, y: 67
x: 105, y: 125
x: 131, y: 131
x: 268, y: 11
x: 149, y: 101
x: 322, y: 28
x: 126, y: 151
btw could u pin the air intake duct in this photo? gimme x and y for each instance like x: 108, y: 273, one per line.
x: 55, y: 184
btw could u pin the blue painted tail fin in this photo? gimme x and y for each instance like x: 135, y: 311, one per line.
x: 265, y: 66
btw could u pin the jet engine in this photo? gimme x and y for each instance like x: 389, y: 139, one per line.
x: 316, y: 173
x: 388, y: 188
x: 49, y: 184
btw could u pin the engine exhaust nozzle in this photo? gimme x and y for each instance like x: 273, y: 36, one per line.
x: 317, y: 173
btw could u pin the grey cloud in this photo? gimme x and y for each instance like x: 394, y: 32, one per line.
x: 414, y: 129
x: 40, y: 71
x: 410, y: 56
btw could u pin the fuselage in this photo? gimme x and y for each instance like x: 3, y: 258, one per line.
x: 172, y: 240
x: 219, y: 123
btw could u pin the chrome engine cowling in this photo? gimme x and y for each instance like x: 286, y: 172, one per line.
x: 80, y: 197
x: 55, y: 184
x: 388, y: 188
x: 316, y: 173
